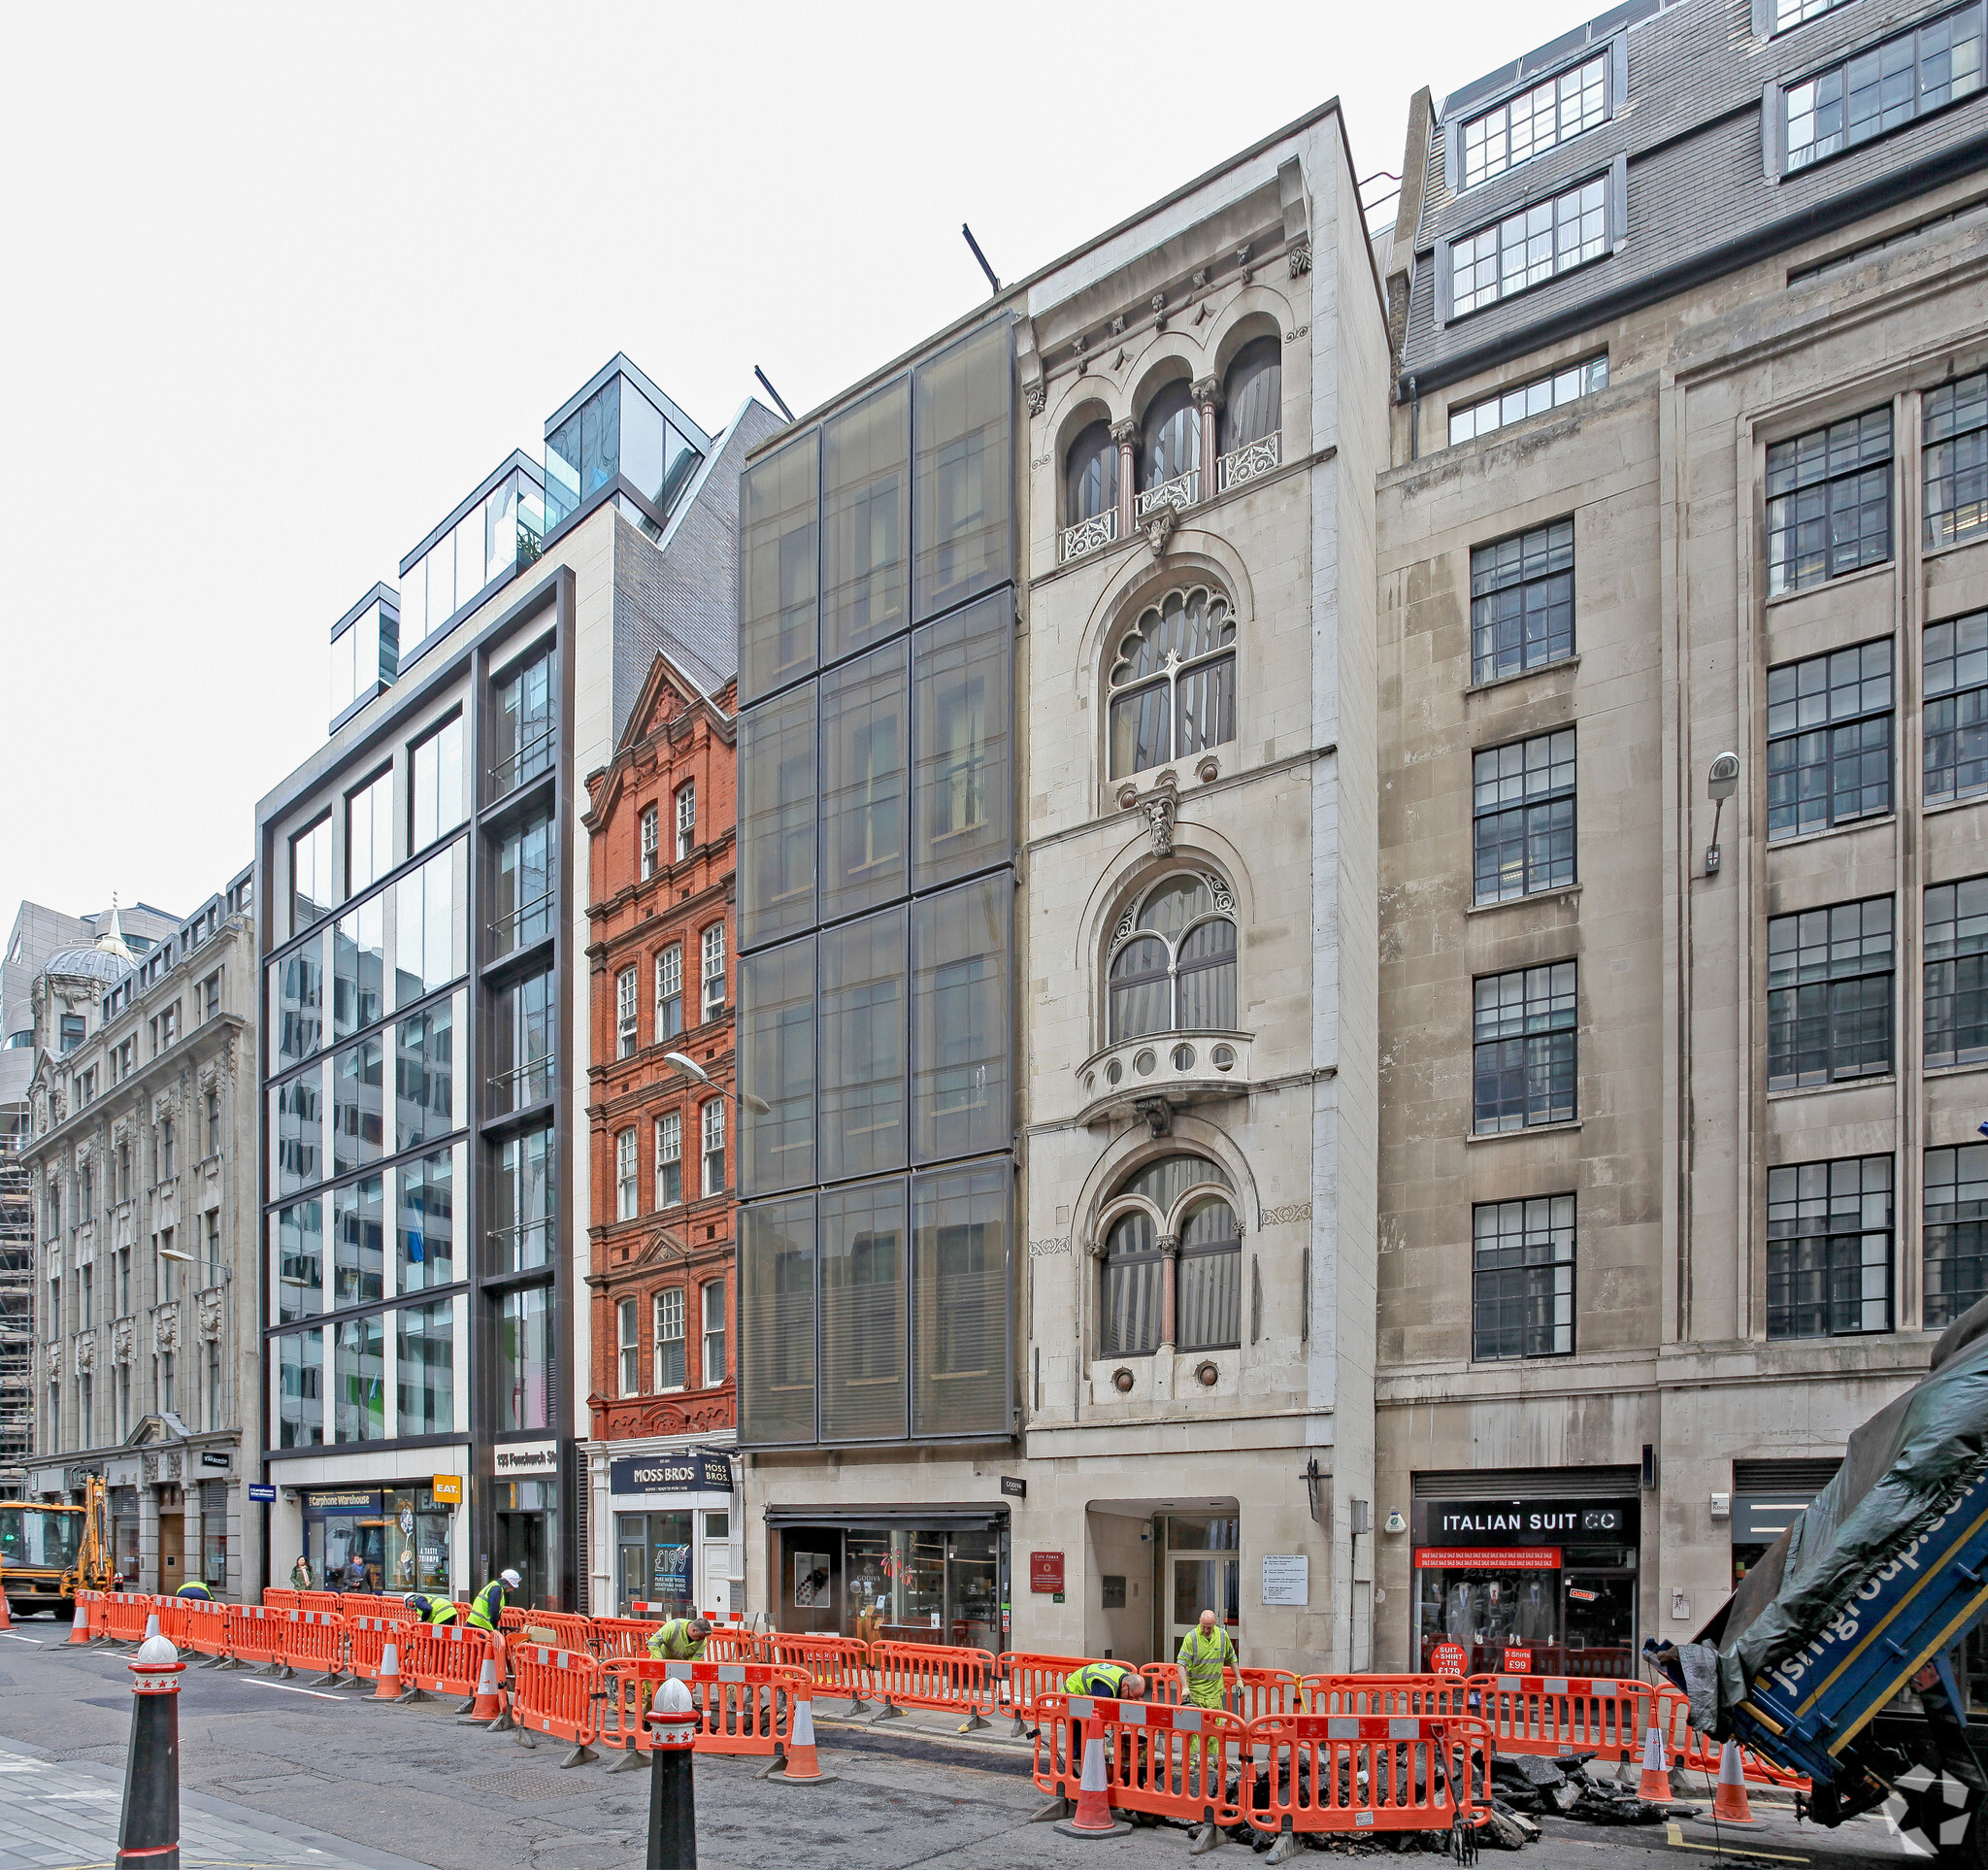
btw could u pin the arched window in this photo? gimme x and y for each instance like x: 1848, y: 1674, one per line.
x: 1169, y: 437
x: 1174, y: 681
x: 1173, y: 1259
x: 1253, y: 394
x: 1173, y: 963
x: 1091, y: 478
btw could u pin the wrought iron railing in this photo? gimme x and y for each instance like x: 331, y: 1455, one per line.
x: 1182, y: 492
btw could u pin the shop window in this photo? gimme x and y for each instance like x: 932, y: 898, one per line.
x: 1828, y: 502
x: 654, y: 1568
x: 1956, y: 979
x: 1829, y: 1001
x: 1172, y: 961
x: 1956, y: 664
x: 1522, y: 1278
x: 1522, y: 816
x: 1829, y: 1247
x: 1956, y: 1231
x: 1524, y: 1054
x: 1174, y: 1215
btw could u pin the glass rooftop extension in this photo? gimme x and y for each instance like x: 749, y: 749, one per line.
x: 498, y: 530
x: 622, y: 433
x: 365, y: 652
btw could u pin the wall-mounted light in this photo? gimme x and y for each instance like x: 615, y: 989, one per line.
x: 1720, y: 783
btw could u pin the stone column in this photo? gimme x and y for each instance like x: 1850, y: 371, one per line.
x: 1170, y: 1288
x: 1208, y: 397
x: 147, y: 1533
x: 1126, y: 435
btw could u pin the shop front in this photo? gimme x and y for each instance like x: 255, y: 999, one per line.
x: 910, y: 1575
x: 524, y: 1499
x: 395, y: 1537
x: 673, y: 1520
x: 1536, y: 1586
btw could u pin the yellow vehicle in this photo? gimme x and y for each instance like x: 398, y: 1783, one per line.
x: 47, y: 1553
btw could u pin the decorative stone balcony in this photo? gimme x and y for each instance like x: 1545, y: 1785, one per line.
x: 1162, y: 1072
x: 1248, y: 462
x: 1182, y: 492
x: 1088, y: 535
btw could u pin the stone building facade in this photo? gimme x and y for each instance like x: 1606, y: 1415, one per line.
x: 1056, y: 1251
x: 140, y: 1160
x: 662, y: 874
x: 1682, y: 569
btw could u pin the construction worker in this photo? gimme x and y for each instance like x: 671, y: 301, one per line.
x: 486, y: 1609
x: 681, y: 1640
x: 1205, y: 1650
x: 430, y: 1610
x: 194, y: 1588
x: 1110, y: 1681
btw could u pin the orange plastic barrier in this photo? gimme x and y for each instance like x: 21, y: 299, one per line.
x: 205, y: 1623
x: 282, y: 1600
x: 1180, y: 1764
x: 173, y: 1621
x: 366, y: 1641
x: 1386, y: 1694
x: 86, y: 1626
x: 256, y: 1636
x: 930, y: 1675
x: 570, y: 1632
x: 1368, y: 1773
x: 1026, y: 1678
x: 741, y: 1707
x: 124, y: 1615
x: 447, y: 1658
x: 1698, y: 1753
x: 314, y: 1640
x: 1247, y: 1693
x: 622, y: 1636
x: 339, y: 1601
x: 730, y: 1643
x: 553, y: 1692
x: 839, y: 1665
x: 1558, y: 1713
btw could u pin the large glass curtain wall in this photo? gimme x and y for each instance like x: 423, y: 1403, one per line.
x: 876, y: 907
x: 498, y: 534
x: 618, y: 434
x: 366, y: 1129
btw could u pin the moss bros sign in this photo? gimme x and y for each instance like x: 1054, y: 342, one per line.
x: 669, y: 1474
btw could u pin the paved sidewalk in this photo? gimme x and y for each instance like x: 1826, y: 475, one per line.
x: 63, y: 1814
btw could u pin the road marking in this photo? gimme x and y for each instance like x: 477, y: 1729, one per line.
x: 319, y: 1695
x: 11, y: 1638
x: 1725, y: 1850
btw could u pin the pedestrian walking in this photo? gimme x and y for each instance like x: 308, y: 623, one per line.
x: 1206, y: 1652
x: 300, y: 1573
x: 356, y: 1578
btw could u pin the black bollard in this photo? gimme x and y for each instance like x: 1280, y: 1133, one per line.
x: 148, y: 1835
x: 672, y: 1794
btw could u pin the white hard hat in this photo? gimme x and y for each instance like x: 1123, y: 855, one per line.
x: 511, y: 1578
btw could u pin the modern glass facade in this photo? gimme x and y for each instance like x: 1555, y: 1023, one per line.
x: 620, y: 432
x: 498, y: 530
x: 876, y: 905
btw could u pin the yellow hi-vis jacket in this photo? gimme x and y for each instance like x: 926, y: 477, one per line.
x: 1201, y: 1660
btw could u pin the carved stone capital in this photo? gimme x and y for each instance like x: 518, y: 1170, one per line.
x: 1168, y: 1244
x: 1125, y: 433
x: 1301, y: 259
x: 1208, y: 392
x: 1038, y: 396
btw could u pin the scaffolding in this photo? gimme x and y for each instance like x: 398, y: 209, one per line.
x: 16, y: 1307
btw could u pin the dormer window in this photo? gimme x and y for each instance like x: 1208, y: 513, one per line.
x: 1535, y: 120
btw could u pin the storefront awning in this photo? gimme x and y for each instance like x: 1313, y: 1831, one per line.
x: 970, y: 1517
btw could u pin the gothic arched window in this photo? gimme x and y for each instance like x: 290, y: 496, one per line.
x: 1170, y: 437
x: 1091, y: 481
x: 1173, y: 1258
x: 1172, y: 961
x: 1253, y: 394
x: 1172, y: 681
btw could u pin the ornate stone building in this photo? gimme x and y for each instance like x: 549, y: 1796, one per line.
x: 1056, y: 896
x: 662, y: 868
x: 142, y: 1111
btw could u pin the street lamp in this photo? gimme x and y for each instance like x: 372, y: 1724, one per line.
x: 1720, y: 783
x: 690, y: 1068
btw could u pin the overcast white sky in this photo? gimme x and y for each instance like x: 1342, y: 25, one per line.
x: 284, y: 283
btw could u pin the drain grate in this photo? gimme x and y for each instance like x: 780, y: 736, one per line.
x: 529, y: 1782
x: 108, y: 1756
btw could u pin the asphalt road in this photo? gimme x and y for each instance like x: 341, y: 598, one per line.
x: 408, y: 1782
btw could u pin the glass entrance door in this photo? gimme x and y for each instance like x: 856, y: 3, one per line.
x: 521, y: 1548
x: 1202, y: 1570
x: 1600, y: 1621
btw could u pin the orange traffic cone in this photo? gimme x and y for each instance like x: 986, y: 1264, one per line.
x: 79, y: 1629
x: 804, y: 1768
x: 1729, y: 1800
x: 1093, y: 1817
x: 151, y: 1625
x: 389, y: 1672
x: 1655, y: 1783
x: 6, y: 1614
x: 490, y: 1701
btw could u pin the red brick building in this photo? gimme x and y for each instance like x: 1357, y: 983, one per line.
x: 660, y: 903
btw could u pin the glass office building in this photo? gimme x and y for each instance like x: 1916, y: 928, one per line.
x: 875, y: 902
